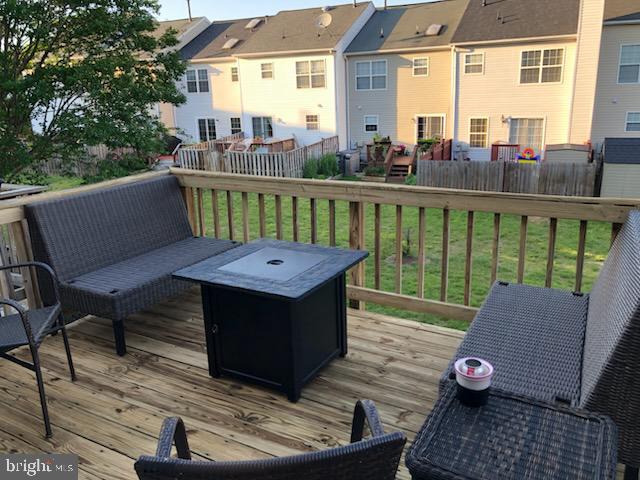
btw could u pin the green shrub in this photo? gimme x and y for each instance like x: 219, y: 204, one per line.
x: 374, y: 171
x: 328, y: 165
x: 424, y: 144
x: 411, y: 180
x: 117, y: 167
x: 310, y: 169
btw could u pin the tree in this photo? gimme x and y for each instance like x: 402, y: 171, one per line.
x: 80, y: 72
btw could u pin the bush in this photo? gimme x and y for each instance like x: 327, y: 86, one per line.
x: 424, y: 144
x: 324, y: 167
x: 374, y: 171
x: 411, y: 180
x: 117, y: 167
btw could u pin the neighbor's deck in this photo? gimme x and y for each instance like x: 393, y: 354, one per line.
x: 113, y: 413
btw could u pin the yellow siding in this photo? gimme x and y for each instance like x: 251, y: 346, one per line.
x: 405, y: 97
x: 614, y: 100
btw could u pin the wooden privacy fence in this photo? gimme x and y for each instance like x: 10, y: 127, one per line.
x: 206, y: 155
x: 573, y: 179
x: 257, y: 194
x: 281, y: 164
x: 86, y: 164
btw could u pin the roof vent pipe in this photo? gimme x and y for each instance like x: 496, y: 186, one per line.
x: 385, y: 4
x: 355, y: 3
x: 189, y: 8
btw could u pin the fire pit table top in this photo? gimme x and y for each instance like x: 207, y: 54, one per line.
x: 273, y: 267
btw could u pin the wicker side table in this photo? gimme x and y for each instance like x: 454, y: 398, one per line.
x: 512, y: 437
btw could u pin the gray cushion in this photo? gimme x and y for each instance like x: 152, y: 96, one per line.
x: 534, y: 338
x: 125, y: 287
x: 89, y: 231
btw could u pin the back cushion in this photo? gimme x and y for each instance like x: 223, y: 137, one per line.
x: 613, y: 320
x: 91, y: 230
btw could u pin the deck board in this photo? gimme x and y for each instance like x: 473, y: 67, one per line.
x: 113, y: 413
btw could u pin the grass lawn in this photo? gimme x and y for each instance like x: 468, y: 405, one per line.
x: 62, y: 183
x: 598, y: 238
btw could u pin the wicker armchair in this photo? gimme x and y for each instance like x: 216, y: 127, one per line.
x: 30, y: 327
x: 374, y: 458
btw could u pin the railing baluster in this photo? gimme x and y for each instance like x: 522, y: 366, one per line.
x: 582, y: 240
x: 201, y: 223
x: 187, y: 194
x: 332, y: 223
x: 230, y: 214
x: 313, y: 220
x: 398, y: 248
x: 444, y: 269
x: 615, y: 229
x: 262, y: 214
x: 294, y: 217
x: 245, y: 216
x: 522, y: 253
x: 278, y: 203
x: 421, y: 250
x: 377, y: 260
x: 551, y: 251
x: 356, y: 242
x: 468, y: 262
x: 216, y: 213
x: 495, y: 249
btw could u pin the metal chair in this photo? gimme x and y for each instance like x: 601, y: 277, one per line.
x: 373, y: 458
x: 30, y: 327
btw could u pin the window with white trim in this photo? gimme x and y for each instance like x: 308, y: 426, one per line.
x: 527, y: 132
x: 541, y: 66
x: 371, y: 123
x: 207, y: 129
x: 266, y: 70
x: 371, y: 75
x: 313, y: 122
x: 197, y: 81
x: 473, y: 63
x: 236, y: 125
x: 430, y: 126
x: 262, y: 127
x: 629, y: 70
x: 310, y: 74
x: 234, y: 74
x: 421, y: 67
x: 633, y: 122
x: 479, y: 132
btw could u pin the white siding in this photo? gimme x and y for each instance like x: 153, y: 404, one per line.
x: 614, y: 100
x: 222, y: 102
x: 620, y: 180
x: 288, y: 105
x: 589, y: 34
x: 498, y: 95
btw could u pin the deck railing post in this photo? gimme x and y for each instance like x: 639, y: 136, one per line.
x: 356, y: 242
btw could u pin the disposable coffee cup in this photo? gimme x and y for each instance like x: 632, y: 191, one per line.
x: 473, y: 376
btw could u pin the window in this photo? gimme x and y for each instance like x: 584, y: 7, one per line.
x: 479, y: 132
x: 262, y: 127
x: 313, y: 123
x: 527, y: 132
x: 371, y: 75
x: 629, y: 71
x: 207, y: 129
x: 542, y: 66
x: 197, y: 81
x: 430, y: 126
x: 267, y: 70
x: 236, y: 125
x: 310, y: 74
x: 420, y: 67
x: 234, y: 74
x: 473, y: 63
x: 371, y: 123
x: 633, y: 122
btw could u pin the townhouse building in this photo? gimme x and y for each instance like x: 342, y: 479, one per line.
x: 281, y: 76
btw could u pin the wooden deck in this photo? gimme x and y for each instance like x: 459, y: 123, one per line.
x: 113, y: 413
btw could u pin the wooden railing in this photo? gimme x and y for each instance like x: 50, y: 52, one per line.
x: 439, y: 151
x: 373, y: 216
x: 206, y: 155
x: 503, y: 152
x: 281, y: 164
x: 520, y: 233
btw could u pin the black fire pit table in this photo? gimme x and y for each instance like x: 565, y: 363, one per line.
x: 274, y: 311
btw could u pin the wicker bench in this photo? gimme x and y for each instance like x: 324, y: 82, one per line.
x: 579, y: 349
x: 114, y: 249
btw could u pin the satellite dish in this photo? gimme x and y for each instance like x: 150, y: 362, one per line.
x: 323, y: 21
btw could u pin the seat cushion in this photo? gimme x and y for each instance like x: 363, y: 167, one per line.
x: 533, y: 337
x: 13, y: 334
x: 126, y: 287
